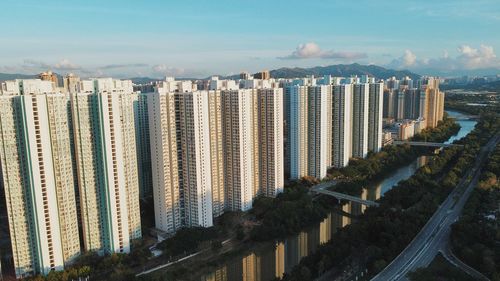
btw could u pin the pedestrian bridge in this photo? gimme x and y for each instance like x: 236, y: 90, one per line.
x: 321, y: 189
x: 424, y: 143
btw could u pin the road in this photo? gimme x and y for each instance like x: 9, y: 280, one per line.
x: 434, y: 236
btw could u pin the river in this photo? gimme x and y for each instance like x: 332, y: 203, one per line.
x: 272, y: 261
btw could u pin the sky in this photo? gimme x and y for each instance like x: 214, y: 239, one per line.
x: 189, y: 38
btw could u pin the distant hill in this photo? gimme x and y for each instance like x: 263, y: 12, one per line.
x: 343, y: 70
x: 143, y: 80
x: 8, y: 76
x: 481, y: 86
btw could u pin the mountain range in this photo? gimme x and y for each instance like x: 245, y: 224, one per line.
x: 344, y: 70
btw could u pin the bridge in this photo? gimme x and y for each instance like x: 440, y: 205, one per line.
x: 472, y: 118
x: 466, y: 118
x: 321, y: 189
x: 424, y: 143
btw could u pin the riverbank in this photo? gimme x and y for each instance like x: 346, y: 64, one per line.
x: 382, y: 232
x: 361, y: 172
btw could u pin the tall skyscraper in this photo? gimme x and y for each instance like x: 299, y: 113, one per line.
x: 319, y: 130
x: 342, y: 135
x: 195, y: 159
x: 375, y: 108
x: 71, y: 83
x: 143, y: 145
x: 360, y: 105
x: 297, y: 112
x: 49, y: 76
x: 104, y: 129
x: 434, y: 106
x: 270, y: 140
x: 400, y: 105
x: 390, y: 103
x: 309, y: 139
x: 264, y: 74
x: 238, y: 149
x: 164, y: 161
x: 216, y: 152
x: 38, y: 177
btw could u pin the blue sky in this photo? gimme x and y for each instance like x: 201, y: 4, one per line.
x: 198, y: 38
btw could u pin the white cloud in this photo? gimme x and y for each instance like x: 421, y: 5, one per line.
x: 477, y: 58
x: 408, y: 59
x: 163, y: 69
x: 63, y: 65
x: 66, y: 65
x: 312, y: 50
x: 468, y: 58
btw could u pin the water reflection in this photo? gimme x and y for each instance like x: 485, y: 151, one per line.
x: 465, y: 125
x: 273, y: 261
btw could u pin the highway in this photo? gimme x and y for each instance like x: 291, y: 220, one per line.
x: 434, y: 236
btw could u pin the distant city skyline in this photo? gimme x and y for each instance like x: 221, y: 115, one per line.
x: 201, y: 38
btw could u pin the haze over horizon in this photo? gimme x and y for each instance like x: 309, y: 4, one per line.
x: 201, y: 38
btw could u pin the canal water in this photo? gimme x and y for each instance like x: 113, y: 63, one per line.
x: 268, y: 263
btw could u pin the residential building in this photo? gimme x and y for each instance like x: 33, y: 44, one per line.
x: 164, y: 161
x: 143, y: 145
x: 319, y: 130
x: 238, y: 148
x: 297, y: 126
x: 360, y: 100
x: 375, y: 120
x: 106, y: 157
x: 270, y: 140
x: 264, y: 74
x: 71, y: 83
x: 38, y: 177
x: 194, y: 160
x: 216, y: 152
x: 49, y: 76
x: 342, y: 135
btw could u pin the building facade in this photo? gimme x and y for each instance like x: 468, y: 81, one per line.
x: 342, y: 126
x: 375, y: 110
x: 37, y: 177
x: 360, y: 106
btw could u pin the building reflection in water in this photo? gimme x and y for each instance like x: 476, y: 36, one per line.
x: 273, y: 262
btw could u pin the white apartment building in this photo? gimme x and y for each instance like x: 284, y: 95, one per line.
x: 375, y: 112
x: 297, y: 126
x: 164, y: 163
x: 270, y: 140
x: 360, y: 100
x: 37, y: 176
x: 342, y: 132
x: 195, y: 157
x: 218, y: 84
x: 319, y: 132
x: 106, y: 157
x: 143, y: 144
x: 238, y: 148
x: 216, y: 152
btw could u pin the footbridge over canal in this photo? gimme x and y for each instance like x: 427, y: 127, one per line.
x: 321, y: 188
